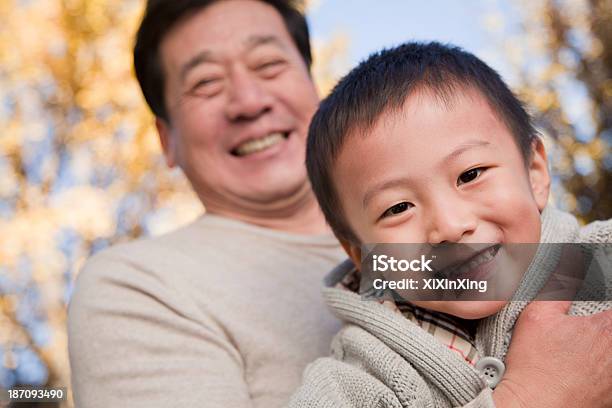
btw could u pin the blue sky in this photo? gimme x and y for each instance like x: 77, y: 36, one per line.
x: 372, y: 25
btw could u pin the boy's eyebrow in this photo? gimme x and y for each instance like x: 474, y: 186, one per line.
x: 401, y: 181
x: 463, y: 147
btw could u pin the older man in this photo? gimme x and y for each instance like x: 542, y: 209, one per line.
x: 226, y: 312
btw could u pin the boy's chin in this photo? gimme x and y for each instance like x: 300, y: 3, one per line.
x: 465, y: 309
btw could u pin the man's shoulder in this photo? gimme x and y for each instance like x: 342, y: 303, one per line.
x: 167, y: 259
x: 146, y: 250
x: 201, y: 238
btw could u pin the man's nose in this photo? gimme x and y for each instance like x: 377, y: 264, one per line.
x: 450, y: 220
x: 248, y: 97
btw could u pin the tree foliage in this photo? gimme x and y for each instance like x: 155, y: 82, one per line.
x: 564, y: 59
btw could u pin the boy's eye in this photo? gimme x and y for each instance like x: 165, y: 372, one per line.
x: 470, y: 175
x: 396, y: 209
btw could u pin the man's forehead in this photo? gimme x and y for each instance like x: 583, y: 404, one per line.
x: 223, y: 28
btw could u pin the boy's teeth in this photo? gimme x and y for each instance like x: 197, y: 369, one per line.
x: 257, y: 145
x: 479, y: 260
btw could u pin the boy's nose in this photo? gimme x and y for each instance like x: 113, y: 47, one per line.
x: 450, y: 221
x: 247, y: 99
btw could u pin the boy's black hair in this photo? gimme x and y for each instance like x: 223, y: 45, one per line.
x: 382, y: 83
x: 162, y: 15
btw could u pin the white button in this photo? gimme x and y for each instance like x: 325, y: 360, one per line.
x: 492, y: 369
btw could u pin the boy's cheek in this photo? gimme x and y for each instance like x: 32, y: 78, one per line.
x: 513, y: 209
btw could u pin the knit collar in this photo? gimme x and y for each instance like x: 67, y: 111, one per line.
x: 494, y: 332
x: 459, y: 382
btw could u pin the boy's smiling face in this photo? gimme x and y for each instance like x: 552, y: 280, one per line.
x: 432, y: 172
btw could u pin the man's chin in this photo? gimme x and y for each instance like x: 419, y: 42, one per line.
x: 279, y: 191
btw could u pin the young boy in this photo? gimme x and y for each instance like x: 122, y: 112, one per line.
x: 424, y: 143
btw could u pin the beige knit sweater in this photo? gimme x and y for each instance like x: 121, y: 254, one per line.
x: 219, y: 313
x: 381, y: 359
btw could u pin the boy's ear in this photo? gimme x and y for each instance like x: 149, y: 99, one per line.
x: 353, y: 251
x: 539, y: 176
x: 167, y: 140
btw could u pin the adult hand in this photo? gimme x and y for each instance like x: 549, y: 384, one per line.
x: 557, y: 360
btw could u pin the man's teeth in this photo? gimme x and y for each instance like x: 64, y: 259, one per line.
x: 257, y: 145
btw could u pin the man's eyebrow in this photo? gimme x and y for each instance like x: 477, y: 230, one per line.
x: 462, y: 148
x: 396, y: 182
x: 206, y: 56
x: 257, y: 40
x: 199, y: 58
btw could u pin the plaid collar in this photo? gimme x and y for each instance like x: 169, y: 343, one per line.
x: 455, y: 333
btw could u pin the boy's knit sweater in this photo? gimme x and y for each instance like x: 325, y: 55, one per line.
x: 381, y: 359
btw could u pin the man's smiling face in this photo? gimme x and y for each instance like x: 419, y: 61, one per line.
x: 240, y: 99
x: 433, y: 173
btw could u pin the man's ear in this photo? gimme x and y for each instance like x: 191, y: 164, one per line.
x: 353, y: 251
x: 168, y: 141
x: 539, y: 176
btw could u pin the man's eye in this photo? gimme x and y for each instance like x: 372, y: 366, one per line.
x: 470, y: 175
x: 204, y: 82
x: 396, y: 209
x: 271, y: 69
x: 207, y: 87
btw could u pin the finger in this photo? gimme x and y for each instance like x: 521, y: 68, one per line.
x: 548, y: 308
x: 566, y: 278
x: 604, y: 318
